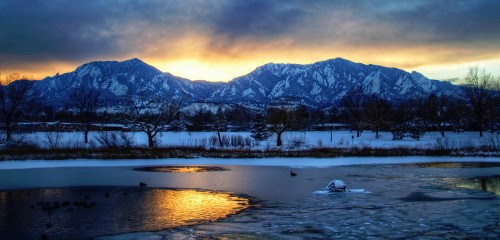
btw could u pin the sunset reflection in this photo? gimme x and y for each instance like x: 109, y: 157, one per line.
x: 181, y: 169
x: 180, y: 207
x: 187, y: 169
x: 81, y: 213
x: 488, y: 184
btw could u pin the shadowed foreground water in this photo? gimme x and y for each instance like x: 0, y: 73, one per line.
x: 76, y: 213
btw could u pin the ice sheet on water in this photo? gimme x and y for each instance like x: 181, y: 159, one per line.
x: 291, y: 162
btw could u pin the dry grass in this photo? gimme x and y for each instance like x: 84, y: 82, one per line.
x: 194, y: 152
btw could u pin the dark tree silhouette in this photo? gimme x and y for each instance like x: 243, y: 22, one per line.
x: 200, y: 119
x: 415, y: 122
x: 151, y: 115
x: 354, y: 104
x: 86, y: 101
x: 479, y: 82
x: 408, y: 120
x: 220, y: 124
x: 13, y: 99
x: 416, y: 127
x: 280, y: 120
x: 334, y: 115
x: 239, y: 116
x: 259, y: 129
x: 439, y: 112
x: 377, y: 114
x: 302, y: 118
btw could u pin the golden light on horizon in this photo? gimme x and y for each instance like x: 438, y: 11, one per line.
x: 194, y: 69
x: 200, y: 57
x: 200, y: 63
x: 200, y: 40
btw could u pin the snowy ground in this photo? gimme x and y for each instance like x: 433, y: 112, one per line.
x: 292, y: 139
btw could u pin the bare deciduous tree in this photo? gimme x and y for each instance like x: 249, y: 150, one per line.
x: 13, y: 98
x: 377, y: 114
x: 479, y: 82
x: 280, y: 120
x: 152, y: 115
x: 86, y: 101
x: 220, y: 123
x: 354, y: 104
x: 438, y: 113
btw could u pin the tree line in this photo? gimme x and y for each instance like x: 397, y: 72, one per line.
x: 479, y: 110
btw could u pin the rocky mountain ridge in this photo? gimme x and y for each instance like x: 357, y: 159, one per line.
x: 321, y: 84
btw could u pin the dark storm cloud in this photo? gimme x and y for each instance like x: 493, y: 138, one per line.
x: 257, y: 19
x: 63, y: 30
x: 361, y: 22
x: 453, y: 21
x: 67, y: 29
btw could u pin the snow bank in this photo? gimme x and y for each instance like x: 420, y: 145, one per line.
x: 291, y: 139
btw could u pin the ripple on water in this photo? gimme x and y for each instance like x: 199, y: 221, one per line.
x: 72, y: 213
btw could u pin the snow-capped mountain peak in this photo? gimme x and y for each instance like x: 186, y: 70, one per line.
x: 320, y: 84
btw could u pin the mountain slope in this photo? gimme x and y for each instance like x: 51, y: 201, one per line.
x: 116, y: 81
x: 320, y: 84
x: 325, y: 83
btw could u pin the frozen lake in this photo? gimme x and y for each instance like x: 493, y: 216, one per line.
x: 400, y: 200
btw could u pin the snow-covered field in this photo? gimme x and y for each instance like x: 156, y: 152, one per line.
x: 291, y: 140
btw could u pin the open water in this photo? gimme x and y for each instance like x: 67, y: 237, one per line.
x: 391, y: 201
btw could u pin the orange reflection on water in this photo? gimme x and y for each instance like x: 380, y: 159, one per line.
x: 182, y: 207
x: 458, y: 164
x: 181, y: 169
x: 187, y: 169
x: 95, y: 212
x: 488, y: 184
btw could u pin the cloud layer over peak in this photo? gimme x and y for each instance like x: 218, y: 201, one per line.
x: 240, y: 34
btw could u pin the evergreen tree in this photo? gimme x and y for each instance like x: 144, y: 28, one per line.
x: 398, y: 131
x: 416, y: 128
x: 259, y: 128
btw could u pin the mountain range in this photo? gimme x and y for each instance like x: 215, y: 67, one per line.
x: 319, y: 85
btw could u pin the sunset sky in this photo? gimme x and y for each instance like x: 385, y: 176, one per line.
x: 218, y: 40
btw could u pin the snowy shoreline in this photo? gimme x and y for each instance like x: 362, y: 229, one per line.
x: 291, y: 139
x: 284, y: 162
